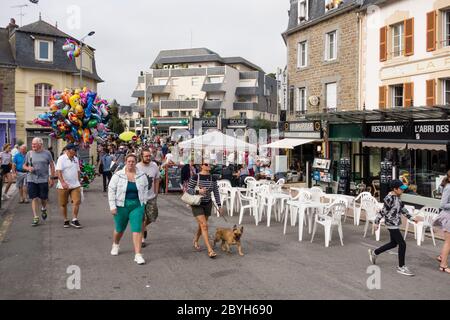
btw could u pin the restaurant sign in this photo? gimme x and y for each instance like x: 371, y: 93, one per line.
x: 237, y: 123
x: 207, y: 122
x: 432, y: 130
x: 302, y: 129
x: 418, y: 130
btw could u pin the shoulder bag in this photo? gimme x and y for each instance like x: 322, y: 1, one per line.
x: 192, y: 200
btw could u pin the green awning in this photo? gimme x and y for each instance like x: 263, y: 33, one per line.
x: 346, y: 132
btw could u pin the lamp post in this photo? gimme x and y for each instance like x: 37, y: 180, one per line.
x: 81, y: 57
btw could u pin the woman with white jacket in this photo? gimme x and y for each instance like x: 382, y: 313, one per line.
x: 127, y: 192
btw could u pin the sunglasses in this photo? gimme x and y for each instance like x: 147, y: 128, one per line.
x: 205, y: 164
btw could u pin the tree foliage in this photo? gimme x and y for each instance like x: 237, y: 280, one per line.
x: 115, y: 123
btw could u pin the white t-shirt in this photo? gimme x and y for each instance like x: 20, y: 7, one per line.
x: 152, y: 172
x: 69, y: 169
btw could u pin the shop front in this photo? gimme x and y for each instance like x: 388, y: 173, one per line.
x: 300, y: 155
x: 7, y: 128
x: 166, y: 126
x: 205, y: 124
x: 418, y: 151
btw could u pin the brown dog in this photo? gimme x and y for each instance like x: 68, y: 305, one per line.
x: 229, y: 237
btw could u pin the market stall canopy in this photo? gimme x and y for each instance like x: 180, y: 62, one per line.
x: 287, y: 143
x: 218, y: 141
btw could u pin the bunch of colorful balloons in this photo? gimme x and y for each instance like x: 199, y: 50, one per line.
x: 77, y: 117
x: 87, y: 174
x: 72, y: 48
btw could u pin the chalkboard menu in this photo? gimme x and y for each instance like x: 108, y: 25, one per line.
x: 344, y: 176
x: 173, y: 178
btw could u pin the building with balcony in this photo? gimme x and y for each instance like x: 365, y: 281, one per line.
x: 40, y: 67
x: 198, y: 83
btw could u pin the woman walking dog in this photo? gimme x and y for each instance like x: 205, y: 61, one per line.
x: 202, y: 212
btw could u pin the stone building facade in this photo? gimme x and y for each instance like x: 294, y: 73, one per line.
x: 318, y: 64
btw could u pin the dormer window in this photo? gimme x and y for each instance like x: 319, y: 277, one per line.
x: 43, y: 50
x: 302, y: 10
x: 332, y: 4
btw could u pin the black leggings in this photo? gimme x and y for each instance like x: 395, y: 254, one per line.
x: 396, y: 239
x: 106, y: 178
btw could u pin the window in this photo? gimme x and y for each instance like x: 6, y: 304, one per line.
x: 331, y: 46
x: 175, y: 82
x: 397, y: 96
x: 42, y: 93
x: 215, y: 79
x: 301, y: 103
x: 162, y: 82
x: 44, y: 50
x: 397, y: 40
x: 447, y: 91
x: 243, y: 115
x: 1, y: 96
x: 302, y: 54
x: 195, y: 82
x: 331, y: 95
x: 302, y: 10
x: 447, y: 28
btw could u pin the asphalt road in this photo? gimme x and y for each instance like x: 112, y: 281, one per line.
x: 34, y: 262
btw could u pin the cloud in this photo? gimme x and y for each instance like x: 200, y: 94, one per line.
x: 130, y: 34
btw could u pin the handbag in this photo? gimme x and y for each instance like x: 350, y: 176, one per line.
x: 192, y: 200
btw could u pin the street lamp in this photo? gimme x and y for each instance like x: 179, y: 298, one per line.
x: 81, y: 56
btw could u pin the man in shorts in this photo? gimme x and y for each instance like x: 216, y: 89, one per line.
x: 37, y: 162
x: 150, y: 168
x: 68, y: 171
x: 21, y: 175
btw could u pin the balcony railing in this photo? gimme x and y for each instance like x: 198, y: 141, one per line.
x: 154, y: 89
x: 188, y: 72
x: 213, y: 87
x: 161, y: 73
x: 245, y: 106
x: 246, y: 91
x: 216, y: 71
x: 248, y: 75
x: 212, y: 104
x: 180, y: 104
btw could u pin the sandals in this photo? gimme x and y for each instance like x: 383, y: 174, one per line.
x: 212, y: 254
x: 444, y: 269
x: 196, y: 245
x: 439, y: 258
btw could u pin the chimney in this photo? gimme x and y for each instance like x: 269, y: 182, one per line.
x: 12, y: 26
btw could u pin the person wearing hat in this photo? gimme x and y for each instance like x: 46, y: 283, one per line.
x: 392, y: 210
x: 68, y: 171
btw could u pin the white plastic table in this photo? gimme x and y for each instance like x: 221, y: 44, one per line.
x: 301, y: 215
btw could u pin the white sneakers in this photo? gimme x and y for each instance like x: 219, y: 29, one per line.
x: 115, y: 249
x: 139, y: 259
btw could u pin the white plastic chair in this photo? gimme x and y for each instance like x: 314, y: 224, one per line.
x: 252, y: 204
x: 429, y: 214
x: 293, y: 206
x: 357, y: 209
x: 266, y: 203
x: 370, y: 206
x: 332, y: 217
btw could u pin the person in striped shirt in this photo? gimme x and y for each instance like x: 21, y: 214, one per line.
x: 206, y: 184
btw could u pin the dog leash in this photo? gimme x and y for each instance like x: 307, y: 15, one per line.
x: 215, y: 206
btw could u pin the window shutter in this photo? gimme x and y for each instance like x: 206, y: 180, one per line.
x: 431, y: 93
x: 409, y: 37
x: 431, y: 31
x: 409, y: 94
x: 382, y: 97
x: 383, y: 44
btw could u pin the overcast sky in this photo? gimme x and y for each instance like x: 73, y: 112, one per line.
x: 130, y: 33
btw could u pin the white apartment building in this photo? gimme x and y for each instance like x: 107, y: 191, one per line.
x: 198, y: 83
